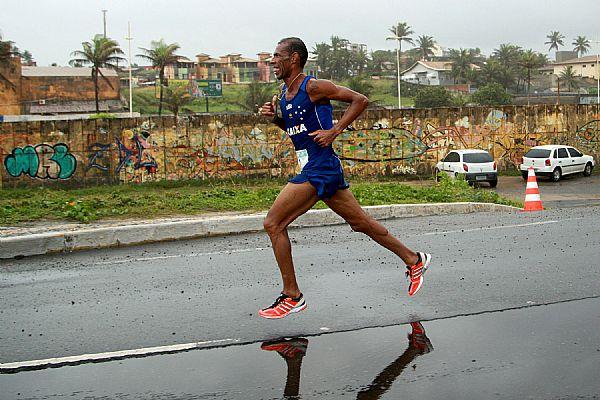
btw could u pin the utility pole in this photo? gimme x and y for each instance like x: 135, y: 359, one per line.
x: 104, y: 20
x: 129, y: 38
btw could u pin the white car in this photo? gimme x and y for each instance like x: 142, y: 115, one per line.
x: 555, y: 161
x: 473, y: 165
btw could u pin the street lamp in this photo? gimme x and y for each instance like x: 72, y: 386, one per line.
x: 398, y: 50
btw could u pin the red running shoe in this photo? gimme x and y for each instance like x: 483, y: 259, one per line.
x: 415, y: 273
x: 288, y: 348
x: 284, y: 305
x: 418, y: 339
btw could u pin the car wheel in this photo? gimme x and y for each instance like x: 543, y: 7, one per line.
x: 587, y: 171
x: 494, y: 183
x: 556, y: 175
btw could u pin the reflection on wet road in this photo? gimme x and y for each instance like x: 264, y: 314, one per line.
x: 541, y: 352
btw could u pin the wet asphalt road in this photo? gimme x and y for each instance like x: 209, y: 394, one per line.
x: 539, y: 352
x: 210, y: 289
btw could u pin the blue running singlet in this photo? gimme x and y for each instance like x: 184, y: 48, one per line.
x: 320, y: 165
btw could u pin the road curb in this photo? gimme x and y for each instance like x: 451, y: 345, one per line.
x: 127, y: 235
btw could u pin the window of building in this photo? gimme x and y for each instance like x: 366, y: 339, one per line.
x: 583, y: 65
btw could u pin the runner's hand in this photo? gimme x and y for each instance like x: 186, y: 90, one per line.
x: 323, y: 137
x: 267, y: 110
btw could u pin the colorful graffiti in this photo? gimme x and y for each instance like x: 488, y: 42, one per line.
x: 132, y: 149
x: 43, y: 161
x: 384, y: 142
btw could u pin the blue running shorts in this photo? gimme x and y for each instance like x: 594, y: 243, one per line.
x: 325, y: 183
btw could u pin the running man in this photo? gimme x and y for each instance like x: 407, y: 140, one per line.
x: 307, y: 117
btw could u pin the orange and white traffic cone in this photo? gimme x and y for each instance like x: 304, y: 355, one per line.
x: 533, y: 201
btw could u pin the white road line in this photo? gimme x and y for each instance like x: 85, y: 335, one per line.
x: 110, y: 355
x: 489, y: 228
x: 190, y: 255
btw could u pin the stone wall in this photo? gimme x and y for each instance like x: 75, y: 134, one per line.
x: 382, y: 142
x: 69, y: 88
x: 10, y: 87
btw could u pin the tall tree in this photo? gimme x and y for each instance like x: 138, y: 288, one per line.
x: 582, y: 45
x: 160, y: 55
x: 27, y: 57
x: 359, y: 61
x: 531, y: 60
x: 100, y: 53
x: 555, y: 39
x: 425, y: 44
x: 508, y: 56
x: 568, y: 76
x: 340, y: 58
x: 461, y: 64
x: 323, y: 53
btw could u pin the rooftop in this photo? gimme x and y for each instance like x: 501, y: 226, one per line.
x: 64, y: 71
x: 580, y: 60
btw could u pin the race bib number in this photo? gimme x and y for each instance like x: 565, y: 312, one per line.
x: 302, y: 158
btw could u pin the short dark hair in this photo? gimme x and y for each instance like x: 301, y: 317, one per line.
x: 296, y: 45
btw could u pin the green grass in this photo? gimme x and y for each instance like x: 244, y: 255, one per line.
x: 176, y: 198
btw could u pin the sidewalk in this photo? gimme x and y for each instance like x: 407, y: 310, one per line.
x: 51, y: 237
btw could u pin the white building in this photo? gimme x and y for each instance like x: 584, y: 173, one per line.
x: 431, y: 73
x: 585, y: 67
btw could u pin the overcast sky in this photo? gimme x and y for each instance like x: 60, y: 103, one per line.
x: 52, y: 29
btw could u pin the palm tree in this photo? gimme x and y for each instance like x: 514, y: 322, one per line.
x: 461, y: 64
x: 531, y: 60
x: 177, y: 98
x: 582, y: 45
x: 555, y: 39
x: 359, y: 61
x: 323, y: 53
x: 425, y: 44
x: 402, y: 32
x: 568, y: 76
x: 507, y: 54
x: 340, y: 58
x: 160, y: 55
x: 100, y: 53
x: 27, y: 57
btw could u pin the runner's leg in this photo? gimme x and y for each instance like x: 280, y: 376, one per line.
x: 345, y: 205
x: 294, y: 200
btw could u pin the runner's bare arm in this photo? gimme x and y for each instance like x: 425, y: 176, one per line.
x: 319, y: 90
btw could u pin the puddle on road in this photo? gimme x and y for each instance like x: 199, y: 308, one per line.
x: 543, y: 352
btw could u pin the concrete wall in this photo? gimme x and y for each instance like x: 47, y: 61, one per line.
x: 391, y: 142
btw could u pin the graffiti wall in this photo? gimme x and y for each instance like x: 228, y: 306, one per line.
x: 383, y: 142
